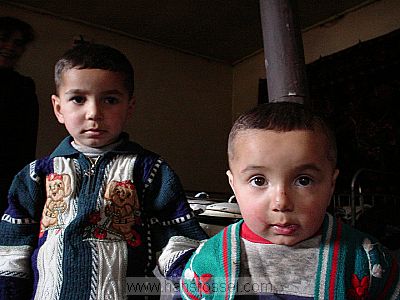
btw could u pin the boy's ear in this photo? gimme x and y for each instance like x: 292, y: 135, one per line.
x: 230, y: 179
x: 334, y: 177
x: 131, y: 106
x: 55, y: 100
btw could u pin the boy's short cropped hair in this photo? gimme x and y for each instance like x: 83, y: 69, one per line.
x: 8, y: 25
x: 95, y: 56
x: 283, y: 117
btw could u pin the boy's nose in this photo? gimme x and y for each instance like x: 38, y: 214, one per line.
x: 8, y: 44
x: 281, y: 201
x: 94, y: 112
x: 11, y: 44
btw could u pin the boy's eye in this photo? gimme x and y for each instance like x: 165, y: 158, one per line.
x: 77, y: 99
x: 4, y: 37
x: 258, y: 181
x: 304, y: 181
x: 111, y: 100
x: 18, y: 43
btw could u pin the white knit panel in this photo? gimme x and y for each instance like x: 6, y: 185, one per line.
x: 49, y: 259
x: 49, y: 262
x: 121, y: 169
x: 112, y: 260
x: 15, y: 261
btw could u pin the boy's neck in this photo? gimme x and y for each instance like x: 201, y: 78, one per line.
x: 94, y: 152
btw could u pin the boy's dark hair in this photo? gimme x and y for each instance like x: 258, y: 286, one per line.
x: 8, y: 25
x: 283, y: 117
x: 95, y: 56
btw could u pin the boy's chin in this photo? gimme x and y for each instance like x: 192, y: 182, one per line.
x: 288, y: 243
x: 92, y: 143
x: 286, y: 240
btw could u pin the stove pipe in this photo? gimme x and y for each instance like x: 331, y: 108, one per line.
x: 283, y: 50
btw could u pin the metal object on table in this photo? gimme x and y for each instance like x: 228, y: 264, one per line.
x: 215, y: 213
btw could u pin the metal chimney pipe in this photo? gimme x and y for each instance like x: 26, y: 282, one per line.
x: 283, y: 50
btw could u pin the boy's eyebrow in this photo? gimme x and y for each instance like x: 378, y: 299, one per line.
x: 80, y: 91
x: 252, y: 168
x: 307, y: 166
x: 74, y: 91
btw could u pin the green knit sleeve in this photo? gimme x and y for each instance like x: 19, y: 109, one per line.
x: 213, y: 269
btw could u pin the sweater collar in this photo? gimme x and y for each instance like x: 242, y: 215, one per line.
x: 249, y: 235
x: 65, y: 148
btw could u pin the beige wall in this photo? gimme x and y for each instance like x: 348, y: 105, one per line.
x: 245, y: 84
x: 363, y: 24
x: 183, y: 102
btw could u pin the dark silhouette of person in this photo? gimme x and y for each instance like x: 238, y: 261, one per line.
x: 19, y: 105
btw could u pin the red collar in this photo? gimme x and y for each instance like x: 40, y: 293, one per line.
x: 249, y: 235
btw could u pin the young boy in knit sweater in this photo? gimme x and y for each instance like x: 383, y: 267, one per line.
x: 282, y: 169
x: 99, y: 208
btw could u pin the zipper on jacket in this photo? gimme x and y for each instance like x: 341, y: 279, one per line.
x: 91, y: 172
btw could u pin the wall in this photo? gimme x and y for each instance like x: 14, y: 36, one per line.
x: 183, y: 102
x: 245, y: 84
x: 368, y: 22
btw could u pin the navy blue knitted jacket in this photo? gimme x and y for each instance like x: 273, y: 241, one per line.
x: 76, y: 229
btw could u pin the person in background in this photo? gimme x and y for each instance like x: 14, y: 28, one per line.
x: 19, y: 104
x: 94, y: 214
x: 282, y: 170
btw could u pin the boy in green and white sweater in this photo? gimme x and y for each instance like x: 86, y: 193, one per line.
x: 282, y: 169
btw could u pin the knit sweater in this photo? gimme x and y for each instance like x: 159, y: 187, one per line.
x: 351, y: 265
x: 77, y: 230
x: 267, y: 268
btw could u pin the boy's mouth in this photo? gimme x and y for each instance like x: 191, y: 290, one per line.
x: 284, y: 229
x: 94, y: 131
x: 7, y: 54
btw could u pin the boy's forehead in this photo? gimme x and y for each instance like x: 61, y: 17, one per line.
x: 248, y: 134
x: 14, y: 34
x: 91, y: 73
x: 269, y: 139
x: 281, y: 152
x: 94, y: 80
x: 80, y: 69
